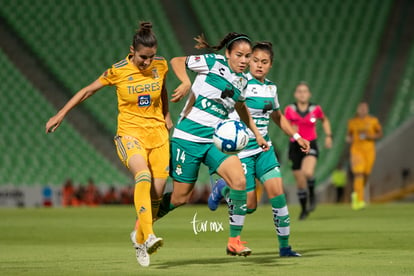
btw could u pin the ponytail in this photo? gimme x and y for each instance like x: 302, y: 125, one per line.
x: 144, y: 36
x: 228, y: 41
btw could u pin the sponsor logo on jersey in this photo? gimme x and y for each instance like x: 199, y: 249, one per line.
x: 144, y: 100
x: 143, y: 88
x: 197, y: 58
x: 206, y: 104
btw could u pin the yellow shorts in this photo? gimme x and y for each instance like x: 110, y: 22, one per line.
x: 157, y: 159
x: 362, y: 161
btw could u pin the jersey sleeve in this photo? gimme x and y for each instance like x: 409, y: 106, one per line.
x: 243, y: 91
x: 319, y: 112
x: 276, y: 100
x: 288, y: 113
x: 109, y: 77
x: 197, y: 64
x: 377, y: 125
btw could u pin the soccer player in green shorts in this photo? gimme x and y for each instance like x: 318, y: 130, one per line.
x: 218, y: 89
x: 263, y: 104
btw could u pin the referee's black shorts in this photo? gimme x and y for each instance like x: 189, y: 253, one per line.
x: 296, y: 155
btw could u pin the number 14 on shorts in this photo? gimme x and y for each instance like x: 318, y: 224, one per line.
x: 180, y: 156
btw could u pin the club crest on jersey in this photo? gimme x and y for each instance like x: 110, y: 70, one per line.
x: 144, y: 100
x: 197, y: 58
x: 239, y: 83
x: 130, y: 78
x: 155, y: 73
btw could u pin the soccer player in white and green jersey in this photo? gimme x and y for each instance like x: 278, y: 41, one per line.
x: 263, y: 104
x: 218, y: 90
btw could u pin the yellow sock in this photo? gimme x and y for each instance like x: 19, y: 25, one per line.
x: 142, y: 202
x: 140, y: 235
x: 155, y: 206
x: 359, y: 187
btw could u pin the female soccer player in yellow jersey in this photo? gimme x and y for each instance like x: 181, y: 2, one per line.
x: 363, y: 131
x: 142, y: 140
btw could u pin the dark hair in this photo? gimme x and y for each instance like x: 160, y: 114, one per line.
x: 228, y: 41
x: 265, y: 46
x: 304, y: 83
x: 144, y: 36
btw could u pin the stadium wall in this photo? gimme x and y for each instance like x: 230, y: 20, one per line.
x: 392, y: 174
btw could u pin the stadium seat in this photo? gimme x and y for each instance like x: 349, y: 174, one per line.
x: 317, y: 42
x: 29, y: 156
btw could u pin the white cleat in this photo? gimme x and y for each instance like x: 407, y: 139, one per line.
x: 141, y: 251
x: 153, y: 243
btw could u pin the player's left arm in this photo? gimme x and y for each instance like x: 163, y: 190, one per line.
x: 377, y: 131
x: 245, y: 117
x: 326, y: 125
x: 287, y: 128
x: 165, y: 105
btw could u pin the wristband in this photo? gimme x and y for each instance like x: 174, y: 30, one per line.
x: 296, y: 136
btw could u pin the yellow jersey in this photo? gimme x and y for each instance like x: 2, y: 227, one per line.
x: 359, y: 129
x: 140, y: 105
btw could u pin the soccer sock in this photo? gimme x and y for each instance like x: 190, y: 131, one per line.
x: 237, y: 211
x: 311, y: 187
x: 359, y: 187
x: 139, y: 238
x: 142, y: 201
x: 281, y: 219
x: 250, y: 211
x: 155, y: 206
x: 165, y: 206
x: 303, y: 197
x: 225, y: 192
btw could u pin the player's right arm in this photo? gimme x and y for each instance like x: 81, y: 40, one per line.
x: 178, y: 65
x: 55, y: 121
x: 287, y: 128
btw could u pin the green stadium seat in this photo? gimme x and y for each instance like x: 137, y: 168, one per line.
x: 29, y: 156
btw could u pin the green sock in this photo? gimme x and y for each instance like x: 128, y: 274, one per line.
x: 281, y: 219
x: 237, y: 211
x: 165, y: 206
x: 225, y: 192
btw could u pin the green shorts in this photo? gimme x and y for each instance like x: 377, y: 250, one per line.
x: 186, y: 157
x: 261, y: 166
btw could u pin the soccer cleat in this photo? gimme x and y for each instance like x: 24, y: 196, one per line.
x: 303, y: 215
x: 153, y: 243
x: 312, y: 203
x: 141, y: 252
x: 356, y: 203
x: 235, y: 247
x: 288, y: 252
x: 215, y: 196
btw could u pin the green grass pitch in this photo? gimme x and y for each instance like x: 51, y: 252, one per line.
x: 334, y: 240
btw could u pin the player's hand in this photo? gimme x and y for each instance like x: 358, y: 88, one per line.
x: 328, y: 142
x: 262, y: 143
x: 304, y: 145
x: 53, y: 123
x: 181, y: 91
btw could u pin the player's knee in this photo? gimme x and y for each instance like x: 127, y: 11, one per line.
x: 238, y: 183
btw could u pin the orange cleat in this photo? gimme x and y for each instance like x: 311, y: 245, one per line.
x: 235, y: 247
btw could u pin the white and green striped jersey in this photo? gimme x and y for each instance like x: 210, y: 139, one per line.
x: 216, y: 89
x: 261, y: 101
